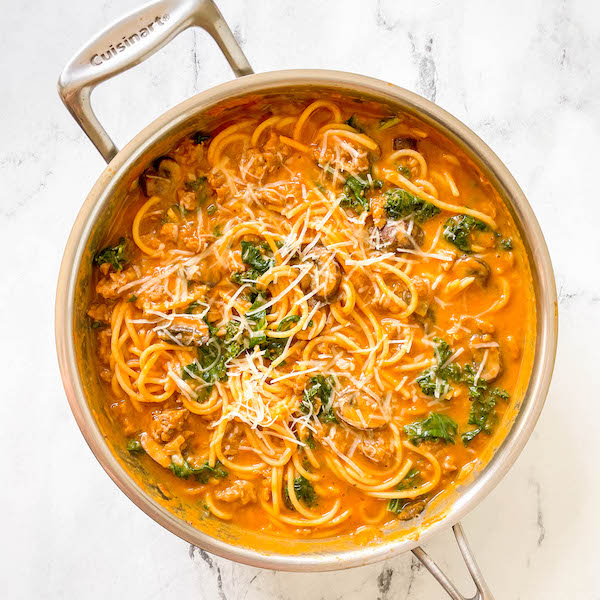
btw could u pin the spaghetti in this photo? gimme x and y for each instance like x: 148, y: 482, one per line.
x: 311, y: 317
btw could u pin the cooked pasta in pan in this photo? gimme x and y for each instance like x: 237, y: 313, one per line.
x: 311, y: 316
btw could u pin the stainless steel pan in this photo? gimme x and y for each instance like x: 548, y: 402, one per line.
x: 127, y: 43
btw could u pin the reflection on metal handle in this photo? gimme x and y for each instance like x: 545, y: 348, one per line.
x: 483, y: 592
x: 129, y: 42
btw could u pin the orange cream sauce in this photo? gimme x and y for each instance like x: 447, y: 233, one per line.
x: 398, y: 311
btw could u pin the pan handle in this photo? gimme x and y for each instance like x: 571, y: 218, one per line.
x: 129, y: 42
x: 483, y: 592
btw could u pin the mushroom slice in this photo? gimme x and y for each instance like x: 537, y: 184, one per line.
x: 187, y: 331
x: 411, y: 510
x: 326, y: 276
x: 424, y: 292
x: 404, y: 143
x: 155, y: 450
x: 360, y: 411
x: 470, y: 266
x: 161, y: 178
x: 483, y: 349
x: 402, y: 235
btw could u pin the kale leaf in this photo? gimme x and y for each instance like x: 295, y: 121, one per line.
x: 353, y: 122
x: 211, y: 363
x: 203, y: 473
x: 354, y: 195
x: 252, y: 255
x: 287, y: 322
x: 310, y: 440
x: 404, y: 171
x: 200, y: 136
x: 319, y: 388
x: 257, y: 321
x: 458, y: 228
x: 435, y: 426
x: 191, y: 307
x: 400, y: 203
x: 114, y: 256
x: 411, y: 480
x: 389, y: 122
x: 428, y: 382
x: 174, y: 213
x: 248, y: 276
x: 482, y: 413
x: 305, y: 491
x: 442, y: 350
x: 200, y: 187
x: 134, y: 447
x: 397, y: 505
x: 434, y: 380
x: 273, y: 348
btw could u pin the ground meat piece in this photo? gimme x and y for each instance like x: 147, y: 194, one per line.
x: 187, y: 200
x: 449, y: 464
x: 343, y: 159
x: 359, y: 411
x: 253, y: 165
x: 274, y: 153
x: 218, y: 182
x: 108, y: 287
x: 483, y: 239
x: 155, y: 295
x: 492, y: 369
x: 151, y: 240
x: 169, y: 232
x: 188, y: 331
x: 175, y: 445
x: 100, y: 312
x: 166, y: 424
x: 256, y: 163
x: 122, y: 412
x: 274, y: 150
x: 378, y: 211
x: 106, y: 375
x: 232, y: 439
x: 104, y: 337
x: 477, y: 324
x: 188, y: 236
x: 377, y: 450
x: 272, y: 196
x: 240, y: 491
x: 402, y: 235
x: 265, y: 491
x: 326, y: 276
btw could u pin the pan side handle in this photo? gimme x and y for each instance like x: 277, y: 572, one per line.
x: 482, y: 593
x: 130, y: 41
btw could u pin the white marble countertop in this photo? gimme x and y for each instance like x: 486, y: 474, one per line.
x: 523, y: 75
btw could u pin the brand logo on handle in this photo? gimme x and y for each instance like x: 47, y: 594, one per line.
x: 129, y: 40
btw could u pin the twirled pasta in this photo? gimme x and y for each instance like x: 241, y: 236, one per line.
x: 297, y: 313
